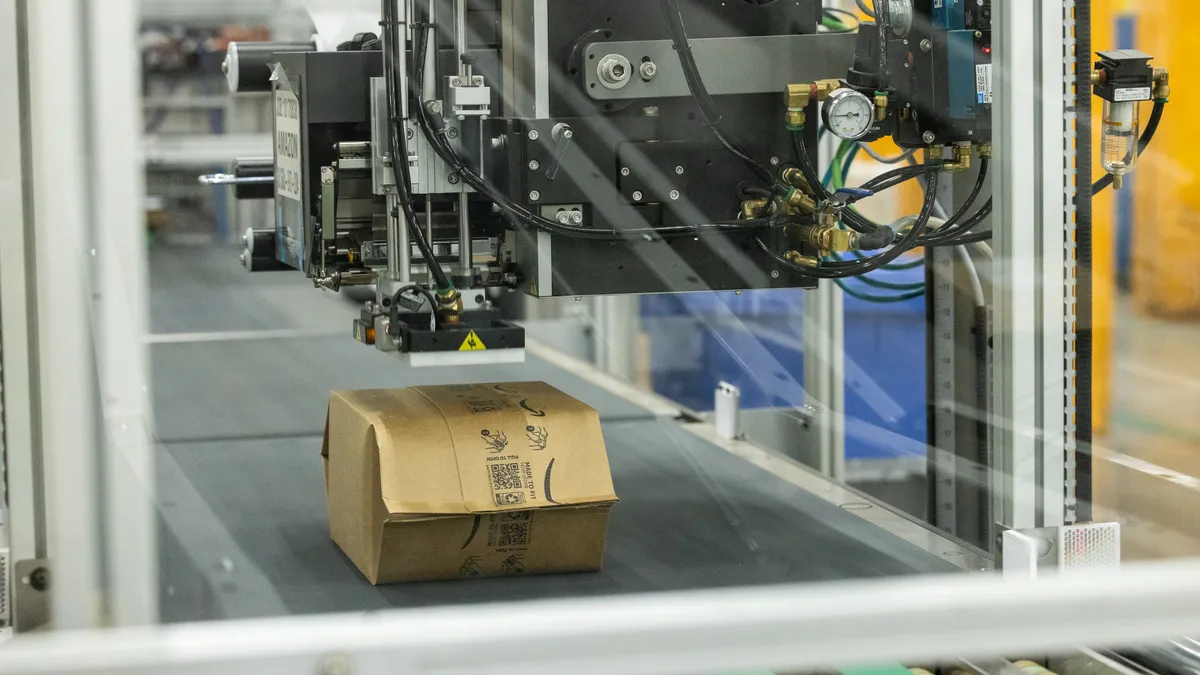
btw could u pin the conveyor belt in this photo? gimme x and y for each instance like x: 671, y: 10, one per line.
x: 242, y: 501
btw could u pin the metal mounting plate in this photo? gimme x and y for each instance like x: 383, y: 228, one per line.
x: 740, y: 65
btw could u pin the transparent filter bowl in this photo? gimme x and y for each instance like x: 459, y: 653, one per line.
x: 1119, y: 137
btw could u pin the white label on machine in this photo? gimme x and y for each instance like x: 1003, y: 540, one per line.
x: 287, y: 145
x: 1132, y: 94
x: 983, y: 83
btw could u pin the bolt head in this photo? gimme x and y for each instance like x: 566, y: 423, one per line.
x: 534, y: 135
x: 774, y: 161
x: 929, y: 137
x: 577, y: 217
x: 926, y: 45
x: 674, y: 195
x: 648, y: 70
x: 409, y: 134
x: 452, y: 179
x: 774, y: 274
x: 534, y: 196
x: 637, y: 195
x: 452, y: 132
x: 563, y: 217
x: 625, y: 171
x: 498, y: 143
x: 455, y: 82
x: 679, y: 171
x: 534, y: 165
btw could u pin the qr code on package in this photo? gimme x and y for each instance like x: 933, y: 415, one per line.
x: 509, y: 530
x: 506, y: 476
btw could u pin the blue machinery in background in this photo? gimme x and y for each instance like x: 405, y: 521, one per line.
x: 755, y: 341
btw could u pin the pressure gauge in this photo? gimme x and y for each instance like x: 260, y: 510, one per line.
x: 848, y: 114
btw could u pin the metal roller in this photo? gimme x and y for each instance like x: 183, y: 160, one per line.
x: 247, y: 65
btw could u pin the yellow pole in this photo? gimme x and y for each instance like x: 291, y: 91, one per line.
x: 1166, y: 224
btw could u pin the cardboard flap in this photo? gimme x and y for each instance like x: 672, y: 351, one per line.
x: 523, y: 446
x: 416, y: 475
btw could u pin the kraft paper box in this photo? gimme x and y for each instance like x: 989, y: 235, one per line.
x: 466, y: 481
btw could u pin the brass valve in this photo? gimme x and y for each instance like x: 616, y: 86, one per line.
x: 829, y: 237
x: 754, y: 208
x: 795, y: 177
x: 799, y: 96
x: 800, y: 201
x: 881, y: 106
x: 1162, y: 84
x: 962, y: 159
x: 796, y: 258
x: 450, y: 306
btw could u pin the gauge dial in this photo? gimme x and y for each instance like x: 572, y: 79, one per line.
x: 848, y: 114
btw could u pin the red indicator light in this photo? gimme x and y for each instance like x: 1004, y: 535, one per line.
x: 987, y: 50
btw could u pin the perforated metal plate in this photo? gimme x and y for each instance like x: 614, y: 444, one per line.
x: 1089, y: 546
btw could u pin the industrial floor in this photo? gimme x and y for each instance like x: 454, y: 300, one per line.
x: 1148, y: 463
x: 244, y: 531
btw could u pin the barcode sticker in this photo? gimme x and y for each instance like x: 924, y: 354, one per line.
x: 1132, y: 94
x: 983, y: 83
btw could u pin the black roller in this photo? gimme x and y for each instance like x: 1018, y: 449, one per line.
x: 259, y: 242
x: 254, y: 168
x: 247, y: 65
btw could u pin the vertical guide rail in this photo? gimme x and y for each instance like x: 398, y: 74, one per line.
x: 1070, y: 306
x: 61, y: 192
x: 1035, y: 267
x: 120, y: 320
x: 20, y: 447
x: 84, y: 291
x: 1079, y: 465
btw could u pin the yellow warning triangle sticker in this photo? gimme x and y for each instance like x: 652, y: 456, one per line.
x: 472, y: 343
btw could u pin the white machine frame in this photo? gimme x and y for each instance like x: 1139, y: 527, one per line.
x: 82, y: 333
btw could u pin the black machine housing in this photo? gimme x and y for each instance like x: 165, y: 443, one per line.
x: 939, y: 74
x: 631, y: 164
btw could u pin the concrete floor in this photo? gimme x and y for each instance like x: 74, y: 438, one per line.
x: 1148, y: 465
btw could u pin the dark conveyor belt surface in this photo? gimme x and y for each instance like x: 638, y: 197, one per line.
x: 691, y: 516
x: 242, y: 505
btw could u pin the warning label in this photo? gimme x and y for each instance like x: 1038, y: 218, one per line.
x: 287, y: 145
x: 983, y: 83
x: 472, y: 343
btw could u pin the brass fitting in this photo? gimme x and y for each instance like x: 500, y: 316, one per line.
x: 796, y: 258
x: 881, y: 106
x: 831, y: 238
x: 798, y: 98
x: 800, y: 201
x: 795, y: 177
x: 754, y: 208
x: 985, y: 150
x: 962, y: 159
x: 1118, y: 181
x: 1096, y: 74
x: 934, y: 154
x: 1162, y: 84
x: 823, y: 88
x: 450, y: 306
